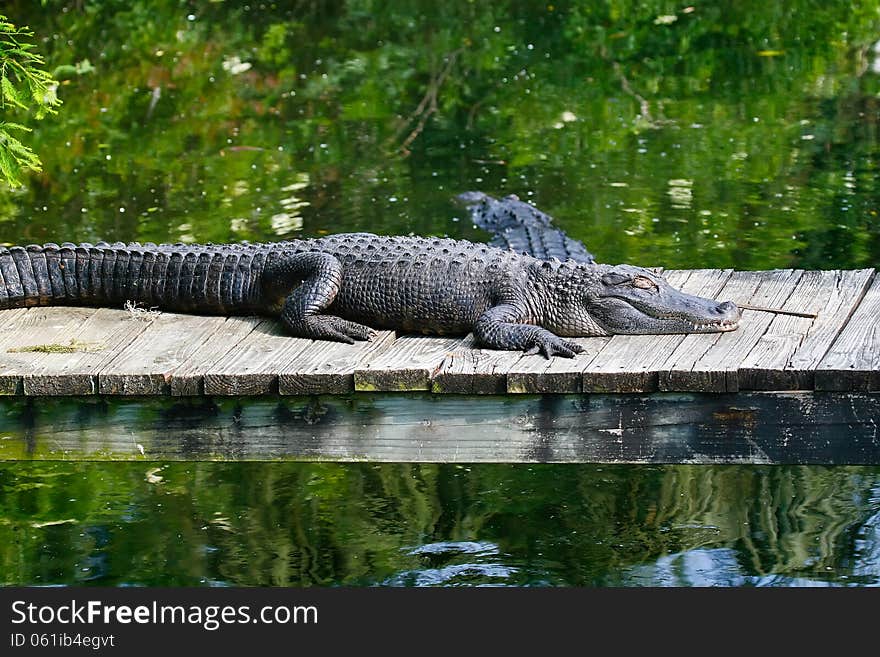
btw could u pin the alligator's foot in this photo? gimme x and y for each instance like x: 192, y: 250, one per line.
x: 330, y: 327
x: 549, y: 345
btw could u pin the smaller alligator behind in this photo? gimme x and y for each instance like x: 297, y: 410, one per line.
x: 522, y: 227
x: 342, y: 287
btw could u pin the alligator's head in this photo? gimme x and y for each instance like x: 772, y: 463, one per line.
x: 623, y: 299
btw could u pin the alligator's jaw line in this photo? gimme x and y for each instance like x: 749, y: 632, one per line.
x: 698, y: 328
x: 715, y: 327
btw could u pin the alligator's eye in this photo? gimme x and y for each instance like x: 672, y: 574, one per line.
x: 644, y: 283
x: 614, y: 278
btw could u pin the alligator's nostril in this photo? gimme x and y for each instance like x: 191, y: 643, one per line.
x: 725, y: 308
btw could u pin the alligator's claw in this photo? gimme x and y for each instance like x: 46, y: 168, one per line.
x: 552, y: 345
x: 330, y: 327
x: 353, y: 330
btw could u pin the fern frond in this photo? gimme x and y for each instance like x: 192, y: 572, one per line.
x: 4, y: 125
x: 9, y: 168
x: 9, y: 93
x: 24, y: 85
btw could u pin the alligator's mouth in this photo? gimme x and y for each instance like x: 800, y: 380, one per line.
x: 715, y: 327
x: 632, y: 316
x: 700, y: 325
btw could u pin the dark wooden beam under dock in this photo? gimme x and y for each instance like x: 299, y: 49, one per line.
x: 700, y: 428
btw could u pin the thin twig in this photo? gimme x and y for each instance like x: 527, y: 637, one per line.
x: 472, y: 113
x: 426, y: 107
x: 778, y: 311
x: 644, y: 105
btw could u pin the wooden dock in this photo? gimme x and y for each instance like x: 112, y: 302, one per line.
x: 51, y: 351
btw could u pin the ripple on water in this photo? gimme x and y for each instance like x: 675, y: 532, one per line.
x: 470, y: 573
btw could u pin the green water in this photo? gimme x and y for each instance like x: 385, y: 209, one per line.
x: 399, y: 524
x: 727, y: 134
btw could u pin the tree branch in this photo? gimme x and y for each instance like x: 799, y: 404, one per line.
x: 426, y: 107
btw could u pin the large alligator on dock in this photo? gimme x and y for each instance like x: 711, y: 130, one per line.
x: 342, y: 287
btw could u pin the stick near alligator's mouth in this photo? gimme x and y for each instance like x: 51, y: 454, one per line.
x: 778, y: 311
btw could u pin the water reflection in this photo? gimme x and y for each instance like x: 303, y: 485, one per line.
x: 481, y: 565
x: 867, y: 545
x: 717, y: 567
x: 700, y: 142
x: 427, y: 525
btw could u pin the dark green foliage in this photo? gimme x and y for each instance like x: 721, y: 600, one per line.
x: 26, y: 87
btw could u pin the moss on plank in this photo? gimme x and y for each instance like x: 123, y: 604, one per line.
x: 56, y: 348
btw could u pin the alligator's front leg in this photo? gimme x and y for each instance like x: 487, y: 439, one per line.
x: 308, y: 283
x: 499, y: 328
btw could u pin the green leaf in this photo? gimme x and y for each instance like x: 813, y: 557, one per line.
x: 9, y: 169
x: 64, y: 72
x: 85, y: 66
x: 10, y: 93
x: 13, y: 126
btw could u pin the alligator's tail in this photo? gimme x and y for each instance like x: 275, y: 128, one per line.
x: 201, y: 279
x: 522, y: 227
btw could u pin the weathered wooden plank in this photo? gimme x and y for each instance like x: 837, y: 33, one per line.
x: 631, y: 363
x: 145, y: 366
x: 20, y: 323
x: 710, y: 362
x: 9, y: 320
x: 469, y: 369
x: 826, y: 428
x: 252, y: 368
x: 853, y: 361
x: 105, y: 333
x: 188, y: 378
x: 329, y: 367
x: 563, y: 375
x: 408, y: 364
x: 37, y: 328
x: 787, y: 354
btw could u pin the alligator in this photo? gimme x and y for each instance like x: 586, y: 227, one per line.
x: 344, y: 287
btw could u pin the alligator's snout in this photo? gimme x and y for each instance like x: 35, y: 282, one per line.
x: 722, y: 316
x: 728, y: 310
